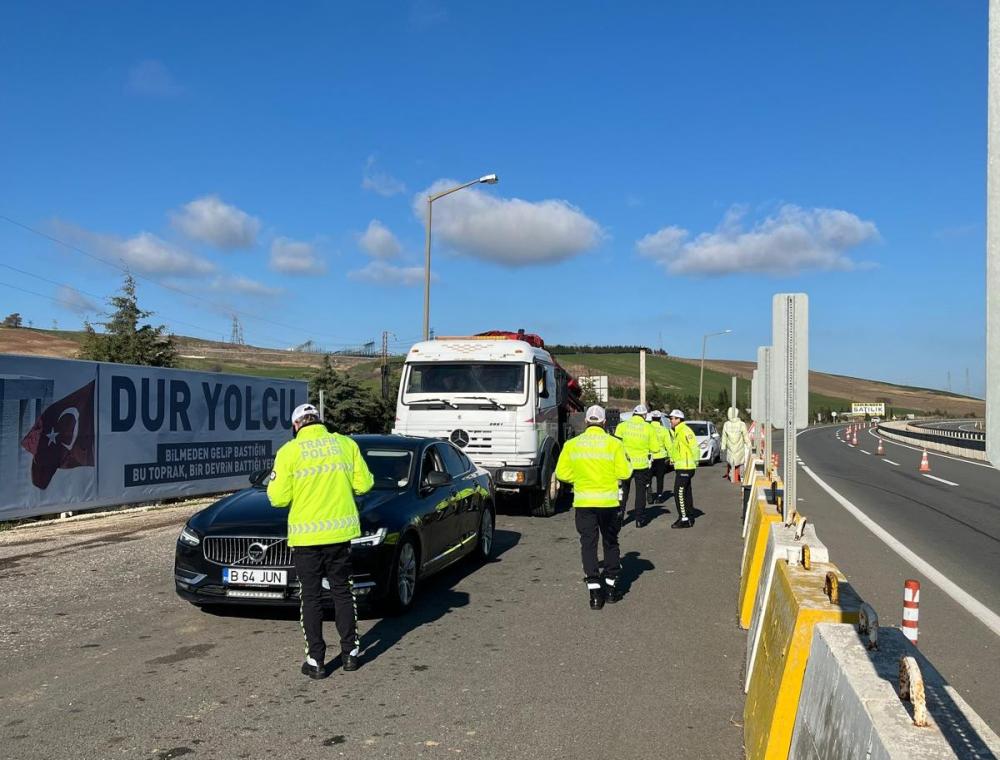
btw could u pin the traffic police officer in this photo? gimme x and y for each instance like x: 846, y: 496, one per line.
x: 640, y: 442
x: 685, y: 454
x: 594, y: 463
x: 658, y: 467
x: 317, y: 474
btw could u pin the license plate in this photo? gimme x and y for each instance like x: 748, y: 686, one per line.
x: 257, y: 576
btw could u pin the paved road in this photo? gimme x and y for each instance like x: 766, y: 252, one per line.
x: 952, y: 523
x: 101, y: 660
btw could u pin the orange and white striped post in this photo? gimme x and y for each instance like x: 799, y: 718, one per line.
x: 911, y: 610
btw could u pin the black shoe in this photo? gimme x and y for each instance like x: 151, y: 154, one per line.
x: 681, y: 522
x: 596, y: 598
x: 350, y: 661
x: 611, y: 593
x: 640, y: 522
x: 316, y: 672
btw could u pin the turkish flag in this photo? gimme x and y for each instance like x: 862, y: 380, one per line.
x: 63, y: 436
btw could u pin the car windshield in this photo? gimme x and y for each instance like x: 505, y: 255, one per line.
x: 389, y: 467
x: 698, y: 428
x: 443, y: 377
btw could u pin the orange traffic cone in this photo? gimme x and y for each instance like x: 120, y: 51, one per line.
x: 925, y: 466
x: 854, y: 438
x: 880, y: 449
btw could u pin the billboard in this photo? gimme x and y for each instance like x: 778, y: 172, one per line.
x: 864, y: 407
x: 76, y: 435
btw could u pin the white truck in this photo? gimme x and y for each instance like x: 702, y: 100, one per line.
x: 501, y: 398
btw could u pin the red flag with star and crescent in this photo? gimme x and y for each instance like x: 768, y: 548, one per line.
x: 63, y: 436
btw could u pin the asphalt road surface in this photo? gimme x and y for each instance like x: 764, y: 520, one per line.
x: 505, y: 660
x: 951, y: 521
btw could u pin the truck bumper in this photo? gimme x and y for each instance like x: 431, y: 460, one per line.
x: 512, y: 478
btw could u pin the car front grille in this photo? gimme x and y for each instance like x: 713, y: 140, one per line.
x: 243, y: 551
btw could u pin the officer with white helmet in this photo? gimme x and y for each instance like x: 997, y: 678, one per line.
x: 640, y: 442
x: 685, y: 455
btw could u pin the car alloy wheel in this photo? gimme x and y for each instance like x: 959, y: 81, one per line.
x: 406, y: 574
x: 486, y: 533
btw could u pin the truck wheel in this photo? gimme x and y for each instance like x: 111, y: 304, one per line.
x: 543, y: 502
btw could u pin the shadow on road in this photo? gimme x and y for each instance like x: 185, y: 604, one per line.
x: 632, y: 567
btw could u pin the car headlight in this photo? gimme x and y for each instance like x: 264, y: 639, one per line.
x: 370, y: 538
x: 189, y: 537
x: 703, y: 445
x: 512, y: 476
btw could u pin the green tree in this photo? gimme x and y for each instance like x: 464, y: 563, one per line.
x: 347, y: 406
x: 124, y: 340
x: 13, y: 320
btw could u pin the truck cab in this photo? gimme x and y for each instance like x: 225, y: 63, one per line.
x: 501, y: 400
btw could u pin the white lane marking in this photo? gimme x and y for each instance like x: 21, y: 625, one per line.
x: 865, y: 452
x: 932, y: 453
x: 972, y: 605
x: 889, y: 461
x: 939, y: 480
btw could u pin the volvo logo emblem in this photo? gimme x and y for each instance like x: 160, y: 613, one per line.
x: 256, y: 552
x: 460, y: 438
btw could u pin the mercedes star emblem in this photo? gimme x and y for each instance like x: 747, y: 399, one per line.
x: 460, y: 438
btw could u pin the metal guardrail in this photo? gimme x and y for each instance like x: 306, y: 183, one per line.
x: 962, y: 435
x: 963, y: 439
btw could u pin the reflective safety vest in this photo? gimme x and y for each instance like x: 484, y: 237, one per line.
x: 594, y: 462
x: 318, y: 473
x: 659, y: 432
x: 685, y: 452
x: 640, y: 440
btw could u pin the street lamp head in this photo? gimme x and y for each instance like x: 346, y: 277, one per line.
x: 489, y: 179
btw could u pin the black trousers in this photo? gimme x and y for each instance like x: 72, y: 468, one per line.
x: 313, y: 564
x: 683, y: 495
x: 641, y: 478
x: 657, y: 472
x: 605, y: 522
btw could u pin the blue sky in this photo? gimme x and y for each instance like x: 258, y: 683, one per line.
x: 664, y: 169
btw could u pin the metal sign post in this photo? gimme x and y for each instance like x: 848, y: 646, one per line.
x: 790, y: 381
x: 764, y: 396
x: 993, y: 241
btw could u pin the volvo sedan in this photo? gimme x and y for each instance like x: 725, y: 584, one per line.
x: 430, y: 507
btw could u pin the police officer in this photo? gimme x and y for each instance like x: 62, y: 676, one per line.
x: 317, y: 474
x: 594, y: 462
x: 658, y: 467
x: 640, y: 442
x: 685, y: 454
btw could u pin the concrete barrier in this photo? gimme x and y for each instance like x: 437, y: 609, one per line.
x: 797, y: 603
x: 761, y: 515
x: 899, y: 435
x: 757, y: 487
x: 850, y: 707
x: 782, y: 545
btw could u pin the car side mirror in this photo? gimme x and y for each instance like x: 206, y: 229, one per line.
x: 257, y: 477
x: 436, y: 479
x: 715, y: 435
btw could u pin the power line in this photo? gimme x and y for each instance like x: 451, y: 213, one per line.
x: 147, y: 278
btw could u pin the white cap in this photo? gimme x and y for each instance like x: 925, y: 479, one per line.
x: 640, y: 409
x: 304, y: 410
x: 677, y: 413
x: 596, y: 413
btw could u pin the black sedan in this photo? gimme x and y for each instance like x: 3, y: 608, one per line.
x: 430, y: 507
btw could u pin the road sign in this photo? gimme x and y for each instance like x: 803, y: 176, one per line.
x: 863, y: 407
x: 790, y: 383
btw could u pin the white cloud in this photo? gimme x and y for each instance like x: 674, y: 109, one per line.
x: 75, y: 301
x: 295, y: 257
x: 244, y: 285
x: 379, y: 241
x: 791, y: 241
x: 382, y: 273
x: 211, y: 220
x: 152, y: 79
x: 144, y: 253
x: 379, y: 182
x: 508, y: 231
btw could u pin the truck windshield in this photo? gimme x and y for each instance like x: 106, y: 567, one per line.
x: 448, y: 378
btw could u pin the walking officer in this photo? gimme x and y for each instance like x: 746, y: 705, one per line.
x: 316, y: 475
x: 658, y: 467
x: 640, y: 442
x: 594, y: 463
x: 685, y: 454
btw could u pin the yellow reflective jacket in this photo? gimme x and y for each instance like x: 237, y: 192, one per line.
x: 593, y: 462
x: 662, y: 450
x: 640, y: 440
x: 684, y: 452
x: 318, y: 473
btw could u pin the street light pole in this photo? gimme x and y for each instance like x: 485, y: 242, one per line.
x: 701, y: 376
x: 488, y: 179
